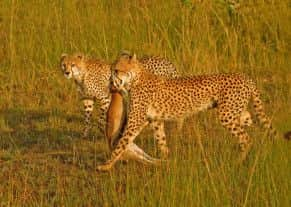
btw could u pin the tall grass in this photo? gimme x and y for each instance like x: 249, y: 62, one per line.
x: 43, y: 161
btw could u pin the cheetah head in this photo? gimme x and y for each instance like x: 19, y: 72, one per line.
x: 72, y: 65
x: 124, y: 71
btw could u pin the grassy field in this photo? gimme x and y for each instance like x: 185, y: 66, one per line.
x: 43, y: 161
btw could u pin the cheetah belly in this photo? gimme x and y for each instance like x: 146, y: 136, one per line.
x: 176, y: 111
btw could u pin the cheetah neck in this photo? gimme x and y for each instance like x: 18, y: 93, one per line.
x: 79, y: 78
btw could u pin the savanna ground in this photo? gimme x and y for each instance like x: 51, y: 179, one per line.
x: 43, y: 161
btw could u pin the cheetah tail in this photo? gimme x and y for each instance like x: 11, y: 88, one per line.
x: 260, y: 114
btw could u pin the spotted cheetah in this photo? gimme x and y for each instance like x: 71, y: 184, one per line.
x: 92, y: 78
x: 155, y: 99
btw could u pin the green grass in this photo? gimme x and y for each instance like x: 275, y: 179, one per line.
x: 43, y: 161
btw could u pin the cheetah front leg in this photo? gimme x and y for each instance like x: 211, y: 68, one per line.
x: 130, y: 133
x: 233, y: 124
x: 88, y: 110
x: 104, y: 105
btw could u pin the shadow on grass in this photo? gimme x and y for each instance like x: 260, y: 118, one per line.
x: 32, y: 131
x: 18, y: 116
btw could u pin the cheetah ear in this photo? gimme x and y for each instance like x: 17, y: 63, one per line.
x: 124, y: 52
x: 133, y: 58
x: 63, y: 56
x: 80, y: 56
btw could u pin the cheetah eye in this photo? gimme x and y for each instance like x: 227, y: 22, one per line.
x: 73, y: 65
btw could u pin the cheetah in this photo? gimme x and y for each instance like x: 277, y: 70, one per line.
x: 92, y: 79
x: 155, y: 99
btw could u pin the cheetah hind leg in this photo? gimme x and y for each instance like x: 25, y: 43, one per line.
x: 246, y: 119
x: 235, y: 127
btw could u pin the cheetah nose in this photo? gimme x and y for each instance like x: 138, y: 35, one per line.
x: 67, y: 73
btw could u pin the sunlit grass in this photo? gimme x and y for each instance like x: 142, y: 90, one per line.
x: 43, y: 161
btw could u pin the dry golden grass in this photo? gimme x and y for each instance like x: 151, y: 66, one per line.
x: 43, y: 161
